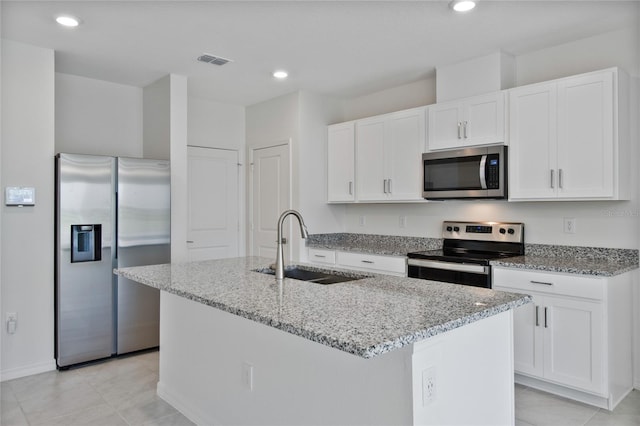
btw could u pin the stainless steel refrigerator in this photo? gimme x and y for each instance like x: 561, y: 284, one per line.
x: 110, y: 212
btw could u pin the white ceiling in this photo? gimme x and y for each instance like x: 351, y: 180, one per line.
x: 338, y: 48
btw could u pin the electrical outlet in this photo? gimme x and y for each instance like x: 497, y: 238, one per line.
x: 363, y: 220
x: 403, y: 222
x: 12, y: 322
x: 247, y: 376
x: 569, y: 225
x: 428, y: 385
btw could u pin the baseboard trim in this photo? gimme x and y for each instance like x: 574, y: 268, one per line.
x: 576, y: 395
x: 187, y: 409
x: 27, y: 370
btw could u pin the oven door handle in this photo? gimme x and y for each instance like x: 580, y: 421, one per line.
x: 449, y: 266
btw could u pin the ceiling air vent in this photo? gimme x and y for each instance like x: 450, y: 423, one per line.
x: 214, y: 60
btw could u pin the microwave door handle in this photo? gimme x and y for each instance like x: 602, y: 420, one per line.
x: 483, y: 166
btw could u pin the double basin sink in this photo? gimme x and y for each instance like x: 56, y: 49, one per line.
x: 315, y: 275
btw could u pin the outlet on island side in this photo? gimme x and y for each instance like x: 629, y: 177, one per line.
x: 12, y: 322
x: 428, y: 385
x: 247, y: 376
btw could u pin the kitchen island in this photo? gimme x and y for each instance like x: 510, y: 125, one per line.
x: 237, y: 348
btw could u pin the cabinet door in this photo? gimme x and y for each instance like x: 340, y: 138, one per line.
x: 528, y: 338
x: 341, y: 163
x: 574, y: 343
x: 585, y: 136
x: 532, y: 142
x: 405, y: 143
x: 483, y: 120
x: 370, y: 162
x: 445, y: 126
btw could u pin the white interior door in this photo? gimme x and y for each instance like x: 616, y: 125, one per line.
x: 271, y: 195
x: 214, y: 220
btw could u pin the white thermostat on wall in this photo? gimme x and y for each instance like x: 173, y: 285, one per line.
x: 20, y: 196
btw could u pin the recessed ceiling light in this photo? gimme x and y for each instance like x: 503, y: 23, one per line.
x: 462, y: 5
x: 67, y: 21
x: 280, y: 75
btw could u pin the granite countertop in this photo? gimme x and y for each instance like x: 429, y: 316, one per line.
x: 367, y: 317
x: 389, y: 245
x: 596, y: 261
x: 596, y: 267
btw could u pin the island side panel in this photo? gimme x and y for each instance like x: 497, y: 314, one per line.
x: 465, y: 376
x: 204, y: 352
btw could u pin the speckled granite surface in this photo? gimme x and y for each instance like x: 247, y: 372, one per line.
x: 367, y: 317
x: 390, y: 245
x: 543, y: 257
x: 597, y: 261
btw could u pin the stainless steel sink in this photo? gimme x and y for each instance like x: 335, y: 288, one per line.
x: 315, y: 275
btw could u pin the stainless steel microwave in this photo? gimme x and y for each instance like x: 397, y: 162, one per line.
x: 465, y: 173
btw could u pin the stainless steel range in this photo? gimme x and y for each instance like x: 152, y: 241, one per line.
x: 468, y: 247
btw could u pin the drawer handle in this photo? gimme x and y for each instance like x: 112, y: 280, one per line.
x: 537, y: 316
x: 320, y: 255
x: 367, y: 261
x: 540, y: 282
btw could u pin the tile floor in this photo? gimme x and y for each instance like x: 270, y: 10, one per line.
x: 123, y: 392
x: 117, y: 392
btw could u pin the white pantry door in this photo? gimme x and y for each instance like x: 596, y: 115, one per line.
x: 271, y: 195
x: 214, y: 223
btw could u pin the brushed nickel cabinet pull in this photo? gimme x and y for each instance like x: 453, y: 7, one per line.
x: 540, y: 282
x: 537, y: 316
x: 560, y: 178
x: 546, y: 322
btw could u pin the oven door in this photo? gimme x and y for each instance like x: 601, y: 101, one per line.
x: 466, y: 173
x: 450, y: 272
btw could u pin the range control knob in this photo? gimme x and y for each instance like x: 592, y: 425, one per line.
x: 511, y: 231
x: 449, y: 229
x: 503, y: 231
x: 456, y: 229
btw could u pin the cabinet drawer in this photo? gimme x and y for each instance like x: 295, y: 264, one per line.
x: 392, y: 264
x: 550, y: 283
x: 322, y: 256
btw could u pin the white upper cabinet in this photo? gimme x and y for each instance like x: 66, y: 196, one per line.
x: 533, y: 135
x: 472, y: 121
x: 341, y: 162
x: 371, y: 175
x: 567, y: 140
x: 388, y: 156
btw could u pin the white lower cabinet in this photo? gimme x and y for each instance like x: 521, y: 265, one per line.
x: 392, y: 265
x: 575, y: 338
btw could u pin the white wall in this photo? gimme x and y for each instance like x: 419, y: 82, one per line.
x: 178, y: 156
x: 28, y: 233
x: 422, y: 92
x: 97, y: 117
x: 315, y: 113
x: 156, y: 118
x: 603, y: 224
x: 216, y: 125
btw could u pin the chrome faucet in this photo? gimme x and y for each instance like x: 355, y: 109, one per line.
x: 280, y: 251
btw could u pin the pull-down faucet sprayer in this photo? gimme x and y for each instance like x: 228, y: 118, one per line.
x: 280, y: 251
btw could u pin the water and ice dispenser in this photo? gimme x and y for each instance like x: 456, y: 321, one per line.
x: 86, y: 243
